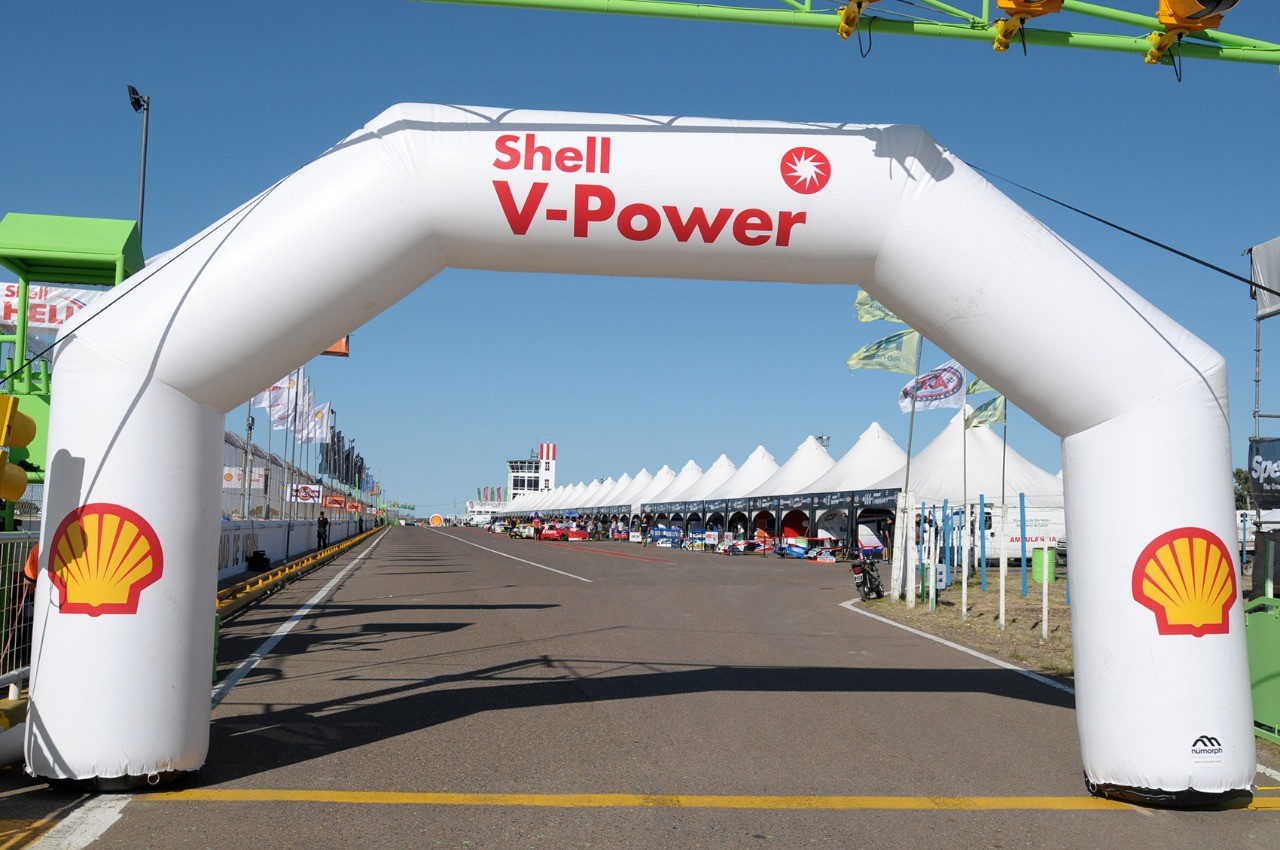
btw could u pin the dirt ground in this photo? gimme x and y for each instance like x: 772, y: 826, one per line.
x: 1021, y: 641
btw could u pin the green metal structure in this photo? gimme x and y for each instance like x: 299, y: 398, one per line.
x: 53, y: 249
x: 934, y: 19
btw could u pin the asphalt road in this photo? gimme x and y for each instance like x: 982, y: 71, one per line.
x: 454, y: 688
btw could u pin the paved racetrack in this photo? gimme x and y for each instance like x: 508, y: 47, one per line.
x: 456, y: 688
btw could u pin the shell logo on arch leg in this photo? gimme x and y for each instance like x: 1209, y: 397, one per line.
x: 102, y: 557
x: 1187, y: 578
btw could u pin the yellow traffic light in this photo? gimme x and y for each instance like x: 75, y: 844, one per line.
x: 1184, y: 17
x: 16, y: 431
x: 1193, y: 15
x: 1019, y: 12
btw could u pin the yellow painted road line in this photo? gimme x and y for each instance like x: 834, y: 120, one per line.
x: 677, y: 801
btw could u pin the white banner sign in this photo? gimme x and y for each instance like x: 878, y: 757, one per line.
x: 306, y: 493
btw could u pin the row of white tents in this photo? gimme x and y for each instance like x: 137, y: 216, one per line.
x: 956, y: 466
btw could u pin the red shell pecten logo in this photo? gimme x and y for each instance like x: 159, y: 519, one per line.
x: 805, y: 170
x: 1186, y: 577
x: 102, y: 557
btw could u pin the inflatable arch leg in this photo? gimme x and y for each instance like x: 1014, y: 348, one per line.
x: 125, y: 602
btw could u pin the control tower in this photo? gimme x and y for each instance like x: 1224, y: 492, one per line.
x: 532, y: 475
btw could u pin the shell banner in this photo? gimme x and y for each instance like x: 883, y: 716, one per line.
x: 1157, y: 614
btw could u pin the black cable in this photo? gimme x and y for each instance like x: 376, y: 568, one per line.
x: 17, y: 370
x: 871, y: 22
x: 1129, y: 232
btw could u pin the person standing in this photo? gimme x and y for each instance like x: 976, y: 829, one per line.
x: 322, y: 530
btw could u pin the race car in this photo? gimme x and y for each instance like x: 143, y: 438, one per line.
x: 563, y: 533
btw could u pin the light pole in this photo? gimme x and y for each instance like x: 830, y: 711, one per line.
x: 141, y: 103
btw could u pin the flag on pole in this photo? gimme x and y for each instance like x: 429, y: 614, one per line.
x: 978, y: 386
x: 264, y: 399
x: 317, y: 427
x: 871, y: 310
x: 1265, y: 259
x: 284, y: 400
x: 988, y: 413
x: 941, y: 387
x: 898, y: 352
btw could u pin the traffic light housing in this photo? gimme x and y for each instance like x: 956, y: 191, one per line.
x: 1193, y: 15
x: 17, y: 430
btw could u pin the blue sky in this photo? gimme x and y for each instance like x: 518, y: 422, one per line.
x: 624, y: 373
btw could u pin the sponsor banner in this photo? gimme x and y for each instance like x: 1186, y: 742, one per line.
x: 832, y: 500
x: 233, y: 477
x: 1264, y: 472
x: 339, y: 502
x: 876, y: 498
x: 48, y: 307
x: 310, y: 493
x: 802, y: 501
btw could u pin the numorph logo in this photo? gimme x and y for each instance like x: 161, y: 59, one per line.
x: 1206, y: 745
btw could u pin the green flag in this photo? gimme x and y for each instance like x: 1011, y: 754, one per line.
x: 898, y: 352
x: 978, y: 386
x: 871, y: 310
x: 989, y: 413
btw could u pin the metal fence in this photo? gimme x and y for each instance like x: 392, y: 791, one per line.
x: 17, y: 609
x: 262, y: 494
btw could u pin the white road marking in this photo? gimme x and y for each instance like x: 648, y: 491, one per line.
x: 514, y: 558
x: 86, y: 824
x: 1045, y: 680
x: 246, y: 666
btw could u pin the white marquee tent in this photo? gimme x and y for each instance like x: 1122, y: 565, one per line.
x: 809, y: 461
x: 872, y: 457
x: 955, y: 466
x: 755, y: 470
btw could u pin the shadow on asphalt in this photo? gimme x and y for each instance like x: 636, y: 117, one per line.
x: 293, y: 734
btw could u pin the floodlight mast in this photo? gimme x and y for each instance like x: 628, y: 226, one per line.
x: 1149, y: 30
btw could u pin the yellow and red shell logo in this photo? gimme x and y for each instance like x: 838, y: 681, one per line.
x: 101, y: 559
x: 1187, y: 579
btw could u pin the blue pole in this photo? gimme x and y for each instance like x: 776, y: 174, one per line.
x: 946, y: 543
x: 920, y: 588
x: 1244, y: 538
x: 982, y: 535
x: 1022, y: 520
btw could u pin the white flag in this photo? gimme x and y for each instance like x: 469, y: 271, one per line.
x: 282, y: 402
x: 941, y: 387
x: 317, y: 430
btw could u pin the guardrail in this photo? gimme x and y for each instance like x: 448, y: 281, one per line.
x: 235, y: 598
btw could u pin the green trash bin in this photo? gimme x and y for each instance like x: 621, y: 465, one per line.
x: 1039, y: 570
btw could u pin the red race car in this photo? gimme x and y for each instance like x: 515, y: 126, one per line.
x: 563, y: 533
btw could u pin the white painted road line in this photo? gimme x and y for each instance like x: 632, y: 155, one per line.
x: 1044, y: 680
x: 86, y: 824
x: 514, y: 558
x: 246, y: 666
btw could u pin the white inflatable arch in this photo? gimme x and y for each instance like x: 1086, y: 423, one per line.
x: 124, y: 630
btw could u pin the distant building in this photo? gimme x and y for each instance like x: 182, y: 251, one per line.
x: 534, y: 475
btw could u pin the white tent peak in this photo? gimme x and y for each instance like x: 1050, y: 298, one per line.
x: 719, y: 472
x: 965, y: 462
x: 755, y: 470
x: 689, y: 475
x: 871, y: 458
x: 809, y: 462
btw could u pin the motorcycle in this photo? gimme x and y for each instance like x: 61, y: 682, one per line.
x: 866, y: 577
